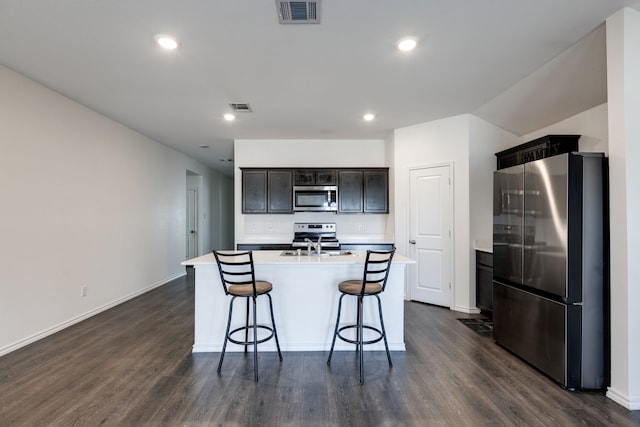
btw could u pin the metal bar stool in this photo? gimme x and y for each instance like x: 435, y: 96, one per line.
x: 238, y: 280
x: 374, y: 280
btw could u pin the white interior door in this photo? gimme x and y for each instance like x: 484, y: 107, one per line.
x: 430, y: 234
x: 192, y: 223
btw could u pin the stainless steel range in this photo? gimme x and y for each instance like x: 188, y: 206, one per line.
x: 310, y: 234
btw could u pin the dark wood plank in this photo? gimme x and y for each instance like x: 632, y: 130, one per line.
x: 133, y: 365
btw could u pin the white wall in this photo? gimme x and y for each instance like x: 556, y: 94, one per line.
x: 485, y: 139
x: 469, y: 144
x: 591, y: 124
x: 389, y: 155
x: 85, y: 202
x: 623, y: 86
x: 307, y: 153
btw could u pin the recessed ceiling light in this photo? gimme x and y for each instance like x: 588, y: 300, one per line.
x: 167, y: 42
x: 407, y: 44
x: 368, y: 117
x: 229, y: 117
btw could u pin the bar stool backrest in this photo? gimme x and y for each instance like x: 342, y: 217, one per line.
x: 376, y: 268
x: 236, y: 268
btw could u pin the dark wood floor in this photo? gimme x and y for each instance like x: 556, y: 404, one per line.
x: 133, y: 365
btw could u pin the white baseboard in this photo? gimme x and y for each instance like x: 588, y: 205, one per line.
x: 57, y: 328
x: 632, y: 404
x: 231, y: 348
x: 468, y: 310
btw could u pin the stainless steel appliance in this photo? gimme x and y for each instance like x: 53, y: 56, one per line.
x: 549, y: 271
x: 306, y: 234
x: 315, y: 198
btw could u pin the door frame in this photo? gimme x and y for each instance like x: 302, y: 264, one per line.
x: 452, y: 224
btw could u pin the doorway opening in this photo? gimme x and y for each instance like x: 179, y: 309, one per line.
x: 192, y: 216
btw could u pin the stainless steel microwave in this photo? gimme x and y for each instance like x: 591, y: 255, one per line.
x: 315, y: 198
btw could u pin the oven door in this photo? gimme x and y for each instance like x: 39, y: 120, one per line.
x: 315, y: 198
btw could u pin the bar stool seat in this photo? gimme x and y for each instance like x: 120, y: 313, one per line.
x: 238, y: 280
x: 376, y: 271
x: 262, y: 288
x: 354, y: 287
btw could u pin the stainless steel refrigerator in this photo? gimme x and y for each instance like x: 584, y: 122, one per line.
x: 550, y: 265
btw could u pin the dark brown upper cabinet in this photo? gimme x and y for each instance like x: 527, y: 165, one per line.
x: 280, y: 194
x: 315, y: 177
x: 376, y: 191
x: 363, y: 190
x: 350, y: 191
x: 267, y: 191
x: 360, y: 190
x: 254, y: 191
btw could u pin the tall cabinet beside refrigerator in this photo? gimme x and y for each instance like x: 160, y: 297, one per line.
x: 550, y: 265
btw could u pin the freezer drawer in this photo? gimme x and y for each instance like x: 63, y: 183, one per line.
x: 543, y: 332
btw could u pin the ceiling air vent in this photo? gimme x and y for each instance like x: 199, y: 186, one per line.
x: 240, y: 107
x: 298, y: 12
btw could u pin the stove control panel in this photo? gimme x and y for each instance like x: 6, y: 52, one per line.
x: 306, y: 227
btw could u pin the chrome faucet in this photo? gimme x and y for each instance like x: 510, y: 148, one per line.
x: 310, y: 243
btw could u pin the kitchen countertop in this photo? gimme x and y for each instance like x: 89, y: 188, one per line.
x: 275, y: 257
x: 483, y: 245
x: 349, y: 240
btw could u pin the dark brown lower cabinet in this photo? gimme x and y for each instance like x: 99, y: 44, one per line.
x: 484, y: 281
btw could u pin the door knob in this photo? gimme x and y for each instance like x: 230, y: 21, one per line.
x: 413, y: 242
x: 193, y: 231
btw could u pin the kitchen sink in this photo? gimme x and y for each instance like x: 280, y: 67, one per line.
x: 304, y: 252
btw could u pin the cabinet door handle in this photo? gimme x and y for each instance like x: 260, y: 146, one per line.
x: 413, y: 242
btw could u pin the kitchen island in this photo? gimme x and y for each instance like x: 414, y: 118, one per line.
x: 305, y: 301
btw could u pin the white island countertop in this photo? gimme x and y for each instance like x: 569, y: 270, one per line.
x: 305, y: 301
x: 276, y: 257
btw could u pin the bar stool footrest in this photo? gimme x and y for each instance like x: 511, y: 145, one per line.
x: 250, y: 329
x: 371, y: 328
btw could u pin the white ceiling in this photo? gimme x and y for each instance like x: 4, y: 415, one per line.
x: 311, y: 81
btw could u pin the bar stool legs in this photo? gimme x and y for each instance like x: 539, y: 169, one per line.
x: 359, y: 327
x: 335, y: 332
x: 384, y: 332
x: 360, y: 338
x: 373, y: 282
x: 275, y: 331
x: 238, y: 279
x: 226, y: 334
x: 254, y: 327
